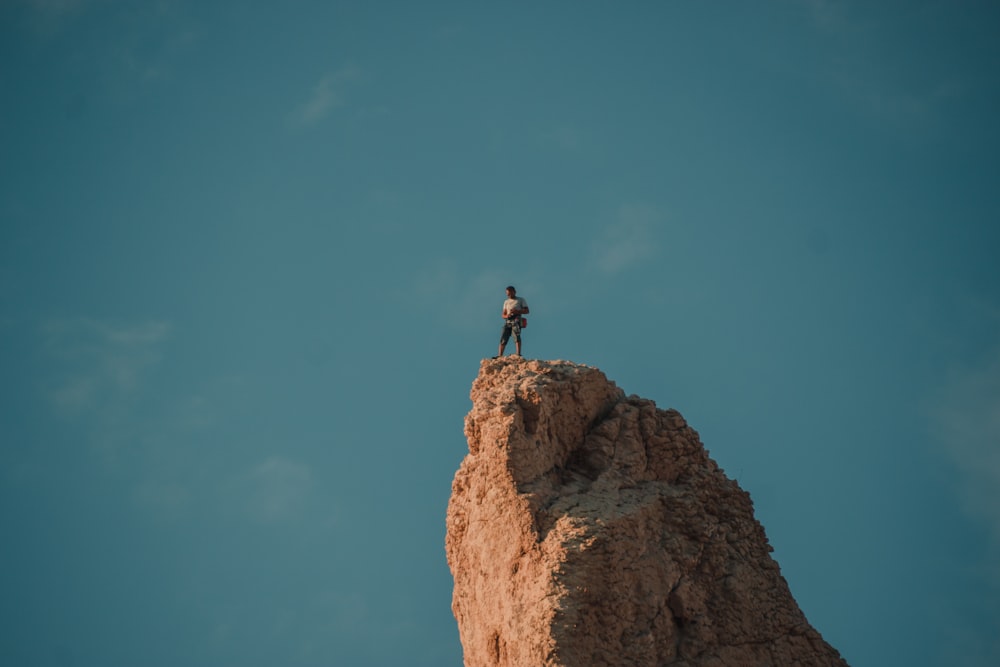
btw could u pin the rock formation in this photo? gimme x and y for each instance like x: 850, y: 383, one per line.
x: 588, y: 528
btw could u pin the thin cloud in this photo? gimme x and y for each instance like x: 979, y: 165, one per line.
x: 880, y: 95
x: 326, y: 95
x: 56, y: 7
x: 100, y: 363
x: 882, y: 83
x: 629, y: 241
x: 466, y: 300
x: 567, y: 137
x: 969, y: 420
x: 97, y: 379
x: 75, y: 394
x: 275, y: 489
x: 828, y: 14
x: 167, y: 500
x: 161, y: 38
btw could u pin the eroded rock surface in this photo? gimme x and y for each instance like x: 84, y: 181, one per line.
x: 588, y: 528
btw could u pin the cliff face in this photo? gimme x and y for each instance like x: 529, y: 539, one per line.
x: 589, y: 528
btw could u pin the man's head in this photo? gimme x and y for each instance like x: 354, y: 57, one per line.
x: 511, y: 291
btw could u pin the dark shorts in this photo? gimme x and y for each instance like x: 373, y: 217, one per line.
x: 512, y: 325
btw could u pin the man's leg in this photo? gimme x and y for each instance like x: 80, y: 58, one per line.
x: 504, y: 337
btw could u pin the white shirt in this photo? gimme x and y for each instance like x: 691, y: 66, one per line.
x: 517, y: 302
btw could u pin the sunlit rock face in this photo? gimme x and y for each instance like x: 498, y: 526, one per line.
x: 587, y: 527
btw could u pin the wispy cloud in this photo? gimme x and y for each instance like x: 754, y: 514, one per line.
x: 467, y: 300
x: 629, y: 240
x: 97, y: 378
x: 161, y: 36
x: 881, y: 95
x: 101, y: 363
x: 886, y: 83
x: 56, y: 7
x: 169, y: 500
x: 828, y: 14
x: 969, y: 418
x: 274, y: 489
x: 101, y: 378
x: 326, y: 95
x: 567, y: 137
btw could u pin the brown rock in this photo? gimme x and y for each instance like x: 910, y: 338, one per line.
x: 589, y: 528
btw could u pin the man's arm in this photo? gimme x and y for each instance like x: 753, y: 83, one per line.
x: 516, y: 311
x: 520, y: 309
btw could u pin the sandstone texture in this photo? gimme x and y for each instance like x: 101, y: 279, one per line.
x: 590, y: 528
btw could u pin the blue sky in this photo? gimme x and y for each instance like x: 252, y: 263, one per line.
x: 251, y: 255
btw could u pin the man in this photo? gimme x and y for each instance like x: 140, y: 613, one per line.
x: 513, y: 308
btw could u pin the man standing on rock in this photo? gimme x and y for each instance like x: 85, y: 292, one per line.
x: 513, y: 308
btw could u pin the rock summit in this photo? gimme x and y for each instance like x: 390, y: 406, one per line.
x: 587, y: 527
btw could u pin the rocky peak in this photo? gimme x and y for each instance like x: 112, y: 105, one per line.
x: 587, y: 527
